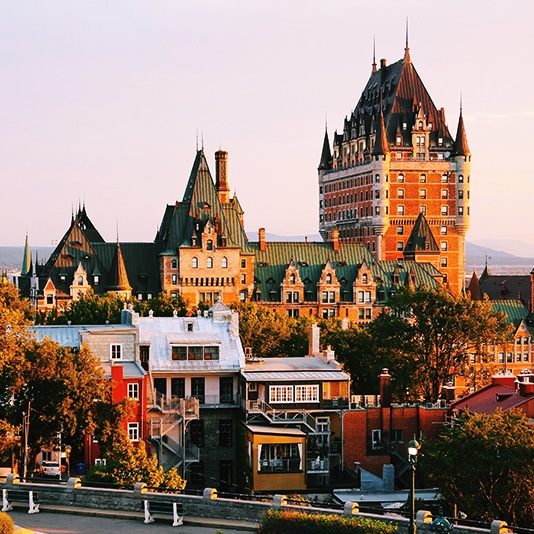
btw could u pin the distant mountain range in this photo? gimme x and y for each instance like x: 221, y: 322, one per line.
x: 502, y: 256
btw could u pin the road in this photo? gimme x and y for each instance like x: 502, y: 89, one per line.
x: 62, y: 523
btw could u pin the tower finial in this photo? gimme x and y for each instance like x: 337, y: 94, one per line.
x: 374, y: 54
x: 196, y: 145
x: 461, y: 102
x: 407, y: 48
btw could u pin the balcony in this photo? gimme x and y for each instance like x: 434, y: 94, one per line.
x: 318, y: 466
x: 219, y: 401
x: 279, y: 465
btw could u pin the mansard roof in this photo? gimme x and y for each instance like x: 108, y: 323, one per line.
x: 507, y: 287
x: 200, y: 205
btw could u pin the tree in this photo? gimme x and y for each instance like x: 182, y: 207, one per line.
x: 126, y: 462
x: 484, y: 463
x: 428, y: 337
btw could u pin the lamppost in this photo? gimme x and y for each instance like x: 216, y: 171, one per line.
x: 413, y: 449
x: 68, y: 448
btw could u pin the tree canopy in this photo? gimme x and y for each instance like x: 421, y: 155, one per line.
x: 484, y: 464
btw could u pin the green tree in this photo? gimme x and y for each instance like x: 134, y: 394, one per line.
x: 484, y: 463
x: 164, y: 305
x: 428, y: 337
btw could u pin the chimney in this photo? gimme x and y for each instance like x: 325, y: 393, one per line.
x: 448, y: 393
x: 221, y: 175
x: 261, y: 239
x: 314, y: 336
x: 334, y: 236
x: 385, y: 389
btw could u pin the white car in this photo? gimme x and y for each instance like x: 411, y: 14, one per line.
x: 50, y: 469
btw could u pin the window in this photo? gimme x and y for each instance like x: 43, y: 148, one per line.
x: 209, y: 263
x: 444, y: 193
x: 178, y: 387
x: 460, y: 210
x: 226, y: 389
x: 400, y: 193
x: 444, y: 262
x: 174, y: 264
x: 80, y: 280
x: 197, y: 432
x: 400, y: 230
x: 422, y: 209
x: 400, y: 178
x: 400, y: 245
x: 133, y: 431
x: 178, y: 353
x: 329, y: 278
x: 444, y: 246
x: 376, y: 438
x: 324, y: 296
x: 365, y: 278
x: 443, y: 230
x: 224, y: 263
x: 116, y: 351
x: 307, y: 393
x: 211, y: 353
x: 292, y: 278
x: 133, y: 390
x: 174, y: 279
x: 332, y: 296
x: 279, y: 394
x: 444, y: 179
x: 209, y: 244
x: 243, y: 264
x: 295, y: 296
x: 422, y: 178
x: 197, y: 474
x: 397, y: 435
x: 289, y: 296
x: 422, y: 193
x: 198, y: 388
x: 367, y: 313
x: 195, y: 353
x: 225, y: 433
x: 243, y: 278
x: 460, y: 179
x: 400, y: 210
x: 194, y: 263
x: 444, y: 210
x: 460, y: 194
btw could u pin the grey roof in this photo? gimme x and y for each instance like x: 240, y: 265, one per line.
x: 276, y: 431
x: 131, y: 369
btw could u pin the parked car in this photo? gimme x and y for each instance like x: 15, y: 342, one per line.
x: 50, y: 469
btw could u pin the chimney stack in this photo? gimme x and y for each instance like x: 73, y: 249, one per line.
x: 221, y: 176
x: 261, y: 239
x: 385, y: 388
x: 335, y: 239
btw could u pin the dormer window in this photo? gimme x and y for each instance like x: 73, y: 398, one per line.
x: 80, y: 280
x: 328, y: 278
x: 209, y: 244
x: 292, y: 279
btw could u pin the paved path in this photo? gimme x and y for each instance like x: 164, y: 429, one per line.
x: 84, y: 521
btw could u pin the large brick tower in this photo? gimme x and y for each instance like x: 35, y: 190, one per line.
x: 395, y: 179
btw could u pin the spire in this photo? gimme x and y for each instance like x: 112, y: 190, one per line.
x: 374, y: 54
x: 381, y: 146
x: 326, y: 155
x: 119, y: 276
x: 461, y: 148
x: 407, y: 58
x: 421, y: 239
x: 474, y: 289
x: 26, y: 259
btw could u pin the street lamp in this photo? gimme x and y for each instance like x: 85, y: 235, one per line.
x: 68, y: 448
x: 413, y: 449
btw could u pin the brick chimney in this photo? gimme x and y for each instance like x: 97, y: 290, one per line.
x: 221, y: 175
x: 261, y: 239
x: 334, y: 236
x: 385, y: 388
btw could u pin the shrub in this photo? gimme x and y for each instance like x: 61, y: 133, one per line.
x: 6, y: 524
x: 287, y: 522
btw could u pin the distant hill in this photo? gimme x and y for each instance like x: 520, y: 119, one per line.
x: 11, y: 257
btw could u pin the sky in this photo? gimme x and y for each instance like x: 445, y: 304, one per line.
x: 104, y: 102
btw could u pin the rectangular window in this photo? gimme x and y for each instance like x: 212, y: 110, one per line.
x: 198, y: 389
x: 225, y: 433
x: 325, y: 296
x: 178, y: 353
x: 295, y: 296
x: 360, y: 296
x: 194, y: 353
x: 178, y: 387
x: 443, y: 230
x: 197, y: 432
x: 396, y: 435
x: 174, y: 279
x: 368, y: 313
x: 361, y: 313
x: 133, y: 431
x: 116, y: 351
x: 444, y: 262
x: 400, y: 245
x: 133, y: 390
x: 400, y: 178
x: 211, y: 353
x: 444, y: 210
x: 422, y: 193
x: 243, y: 278
x: 279, y: 394
x: 307, y: 393
x: 376, y: 438
x: 400, y: 230
x: 332, y: 296
x: 444, y: 193
x: 400, y: 193
x: 400, y: 210
x: 444, y: 179
x: 444, y: 246
x: 289, y: 296
x: 226, y: 389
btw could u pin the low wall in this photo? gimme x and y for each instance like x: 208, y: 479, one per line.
x: 207, y: 505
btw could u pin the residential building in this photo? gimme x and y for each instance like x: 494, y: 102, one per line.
x: 395, y: 167
x: 293, y: 410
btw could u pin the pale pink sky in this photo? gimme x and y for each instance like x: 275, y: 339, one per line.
x: 101, y: 101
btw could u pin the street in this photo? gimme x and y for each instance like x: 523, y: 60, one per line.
x: 62, y: 523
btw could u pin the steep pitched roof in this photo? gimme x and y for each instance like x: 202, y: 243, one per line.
x: 26, y: 259
x: 461, y: 148
x: 119, y: 276
x: 381, y: 145
x: 474, y: 288
x: 326, y: 154
x: 421, y: 239
x: 200, y: 205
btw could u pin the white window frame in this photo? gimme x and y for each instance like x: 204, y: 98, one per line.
x: 307, y: 393
x: 115, y: 351
x: 133, y: 431
x: 133, y: 390
x: 280, y: 394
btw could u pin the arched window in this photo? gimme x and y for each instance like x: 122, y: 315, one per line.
x: 224, y: 262
x: 209, y: 263
x: 292, y: 279
x: 209, y: 244
x: 80, y: 280
x: 364, y: 278
x: 194, y: 263
x: 174, y: 264
x: 328, y: 278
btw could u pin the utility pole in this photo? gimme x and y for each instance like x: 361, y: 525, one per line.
x: 26, y: 427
